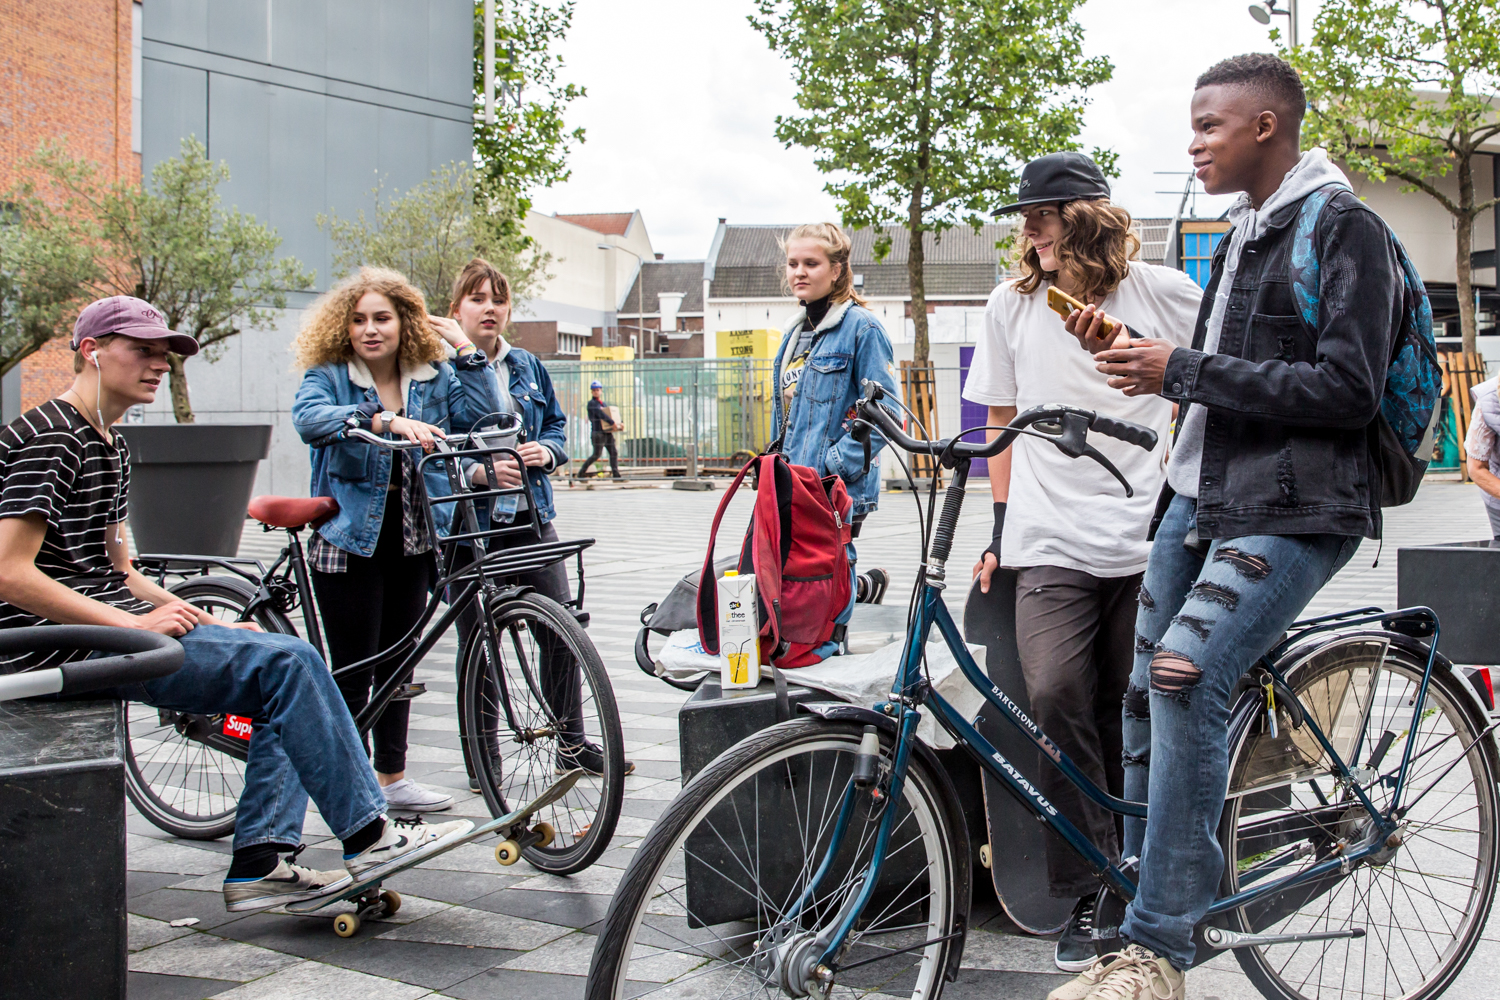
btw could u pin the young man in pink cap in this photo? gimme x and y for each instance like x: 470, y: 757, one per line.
x: 64, y: 486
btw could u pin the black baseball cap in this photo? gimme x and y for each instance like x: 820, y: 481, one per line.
x: 1059, y: 177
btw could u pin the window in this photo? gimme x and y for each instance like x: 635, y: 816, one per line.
x: 1198, y: 243
x: 570, y: 343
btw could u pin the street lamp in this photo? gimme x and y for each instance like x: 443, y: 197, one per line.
x: 1263, y: 12
x: 640, y: 286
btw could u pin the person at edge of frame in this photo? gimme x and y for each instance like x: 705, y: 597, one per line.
x: 371, y: 351
x: 1483, y: 451
x: 602, y: 430
x: 829, y: 347
x: 64, y: 559
x: 1270, y: 486
x: 1078, y: 543
x: 480, y: 309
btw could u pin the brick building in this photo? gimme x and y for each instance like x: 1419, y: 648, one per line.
x: 66, y: 75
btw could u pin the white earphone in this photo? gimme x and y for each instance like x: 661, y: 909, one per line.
x: 95, y: 359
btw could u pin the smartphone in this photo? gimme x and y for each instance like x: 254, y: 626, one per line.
x: 1063, y: 304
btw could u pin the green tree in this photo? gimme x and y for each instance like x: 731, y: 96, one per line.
x: 527, y: 146
x: 430, y: 233
x: 1406, y: 89
x: 211, y: 272
x: 925, y: 110
x: 46, y: 265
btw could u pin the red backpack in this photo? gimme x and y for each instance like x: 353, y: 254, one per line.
x: 795, y: 546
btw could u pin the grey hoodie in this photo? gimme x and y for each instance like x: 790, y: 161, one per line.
x: 1313, y: 170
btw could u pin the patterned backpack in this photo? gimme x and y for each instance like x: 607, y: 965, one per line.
x: 1401, y: 436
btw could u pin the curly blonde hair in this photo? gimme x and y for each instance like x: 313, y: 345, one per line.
x: 1097, y: 246
x: 324, y: 336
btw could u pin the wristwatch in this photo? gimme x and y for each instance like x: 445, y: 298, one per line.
x: 386, y: 416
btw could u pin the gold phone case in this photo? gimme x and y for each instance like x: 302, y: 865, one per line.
x: 1063, y: 304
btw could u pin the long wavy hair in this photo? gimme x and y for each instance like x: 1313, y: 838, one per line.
x: 1096, y: 246
x: 836, y: 244
x: 324, y: 336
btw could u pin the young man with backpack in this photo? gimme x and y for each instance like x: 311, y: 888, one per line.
x: 1303, y: 402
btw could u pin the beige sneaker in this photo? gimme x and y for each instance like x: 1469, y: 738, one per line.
x: 287, y: 883
x: 1082, y: 984
x: 1138, y: 974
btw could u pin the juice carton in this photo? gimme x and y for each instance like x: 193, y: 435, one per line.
x: 739, y: 638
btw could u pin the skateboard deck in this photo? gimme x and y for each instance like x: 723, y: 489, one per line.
x: 1019, y: 867
x: 511, y: 827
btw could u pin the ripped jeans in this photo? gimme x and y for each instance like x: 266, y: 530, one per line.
x: 1204, y: 619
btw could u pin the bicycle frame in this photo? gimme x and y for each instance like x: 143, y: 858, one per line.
x: 910, y: 691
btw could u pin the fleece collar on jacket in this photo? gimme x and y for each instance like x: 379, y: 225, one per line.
x: 359, y: 374
x: 831, y: 319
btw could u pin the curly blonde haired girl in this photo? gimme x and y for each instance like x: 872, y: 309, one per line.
x: 324, y: 336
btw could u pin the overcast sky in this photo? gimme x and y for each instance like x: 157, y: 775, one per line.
x: 683, y: 97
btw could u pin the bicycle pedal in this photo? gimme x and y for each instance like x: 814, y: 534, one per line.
x: 407, y: 692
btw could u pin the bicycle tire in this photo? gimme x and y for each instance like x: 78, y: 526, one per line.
x: 1429, y: 896
x: 513, y: 770
x: 662, y: 923
x: 180, y: 784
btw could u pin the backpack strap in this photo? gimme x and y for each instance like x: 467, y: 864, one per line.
x: 1304, y: 266
x: 708, y: 590
x: 766, y: 545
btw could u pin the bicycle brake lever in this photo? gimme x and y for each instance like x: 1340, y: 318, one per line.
x: 860, y: 431
x: 1073, y: 441
x: 1089, y: 451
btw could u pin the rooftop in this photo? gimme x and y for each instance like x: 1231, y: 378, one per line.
x: 685, y: 276
x: 606, y: 223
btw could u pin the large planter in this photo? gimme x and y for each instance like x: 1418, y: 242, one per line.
x: 190, y: 484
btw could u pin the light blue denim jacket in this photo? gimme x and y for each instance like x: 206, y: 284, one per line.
x: 451, y: 395
x: 543, y: 421
x: 850, y: 346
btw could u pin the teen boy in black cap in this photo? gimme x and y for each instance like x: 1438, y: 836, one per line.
x: 1078, y: 543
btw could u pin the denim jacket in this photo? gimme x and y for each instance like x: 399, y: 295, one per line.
x: 543, y: 421
x: 1291, y: 399
x: 451, y: 395
x: 850, y: 346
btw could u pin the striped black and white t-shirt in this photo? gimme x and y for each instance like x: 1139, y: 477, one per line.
x: 53, y: 463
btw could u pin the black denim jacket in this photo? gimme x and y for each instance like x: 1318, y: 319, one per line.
x: 1291, y: 402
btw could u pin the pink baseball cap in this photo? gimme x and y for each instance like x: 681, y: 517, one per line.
x: 129, y: 317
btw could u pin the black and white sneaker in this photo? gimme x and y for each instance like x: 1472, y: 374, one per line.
x: 404, y: 840
x: 588, y: 756
x: 1075, y: 949
x: 287, y: 883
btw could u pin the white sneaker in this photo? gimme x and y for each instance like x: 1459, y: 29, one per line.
x: 1137, y: 973
x: 287, y: 883
x: 408, y: 796
x: 405, y: 840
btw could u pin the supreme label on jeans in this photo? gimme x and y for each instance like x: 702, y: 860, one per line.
x: 237, y: 726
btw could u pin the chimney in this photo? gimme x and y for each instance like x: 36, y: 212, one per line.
x: 669, y: 303
x: 722, y: 220
x: 661, y: 256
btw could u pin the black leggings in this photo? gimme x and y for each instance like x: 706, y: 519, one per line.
x: 367, y: 608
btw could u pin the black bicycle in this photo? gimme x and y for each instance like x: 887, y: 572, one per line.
x: 532, y: 688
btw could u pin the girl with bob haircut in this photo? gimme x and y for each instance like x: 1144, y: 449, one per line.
x: 831, y: 345
x: 1074, y: 547
x: 371, y: 352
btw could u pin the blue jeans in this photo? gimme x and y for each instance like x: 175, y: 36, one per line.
x: 1204, y: 619
x: 303, y: 739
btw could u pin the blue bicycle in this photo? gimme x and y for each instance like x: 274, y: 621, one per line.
x: 830, y: 855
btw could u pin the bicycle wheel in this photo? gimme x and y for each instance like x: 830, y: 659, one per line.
x: 702, y: 909
x: 1422, y: 902
x: 179, y: 782
x: 557, y: 712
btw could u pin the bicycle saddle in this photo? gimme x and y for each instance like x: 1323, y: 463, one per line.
x: 292, y: 512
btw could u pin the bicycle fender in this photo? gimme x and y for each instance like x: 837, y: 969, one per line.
x: 842, y: 711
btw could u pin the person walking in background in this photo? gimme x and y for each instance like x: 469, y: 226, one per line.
x: 832, y: 344
x: 602, y: 429
x: 1078, y: 543
x: 1483, y: 451
x: 372, y: 353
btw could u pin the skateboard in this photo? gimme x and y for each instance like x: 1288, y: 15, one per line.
x: 1019, y: 869
x: 372, y: 902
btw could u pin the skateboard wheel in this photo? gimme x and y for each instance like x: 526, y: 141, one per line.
x: 507, y: 852
x: 985, y: 857
x: 346, y: 925
x: 392, y: 900
x: 545, y: 831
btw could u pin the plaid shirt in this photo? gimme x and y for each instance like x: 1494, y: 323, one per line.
x: 325, y: 557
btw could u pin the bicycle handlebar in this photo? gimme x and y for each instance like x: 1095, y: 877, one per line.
x: 351, y: 429
x: 142, y: 656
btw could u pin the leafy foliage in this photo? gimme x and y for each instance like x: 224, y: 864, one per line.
x: 1404, y: 89
x: 527, y: 146
x: 430, y: 233
x: 210, y: 272
x: 924, y: 111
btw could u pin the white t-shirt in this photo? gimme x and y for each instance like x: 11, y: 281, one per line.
x: 1071, y: 512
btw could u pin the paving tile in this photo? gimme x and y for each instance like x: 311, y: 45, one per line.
x: 976, y: 984
x: 463, y: 926
x: 144, y: 932
x: 140, y: 883
x: 477, y: 857
x: 174, y: 904
x: 150, y: 986
x: 422, y: 964
x: 511, y: 984
x: 597, y: 879
x: 297, y: 934
x: 177, y: 858
x: 568, y: 909
x: 659, y: 768
x: 315, y: 981
x: 205, y: 956
x: 419, y: 754
x: 637, y: 806
x: 450, y: 886
x: 567, y: 956
x: 1007, y: 952
x: 633, y: 826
